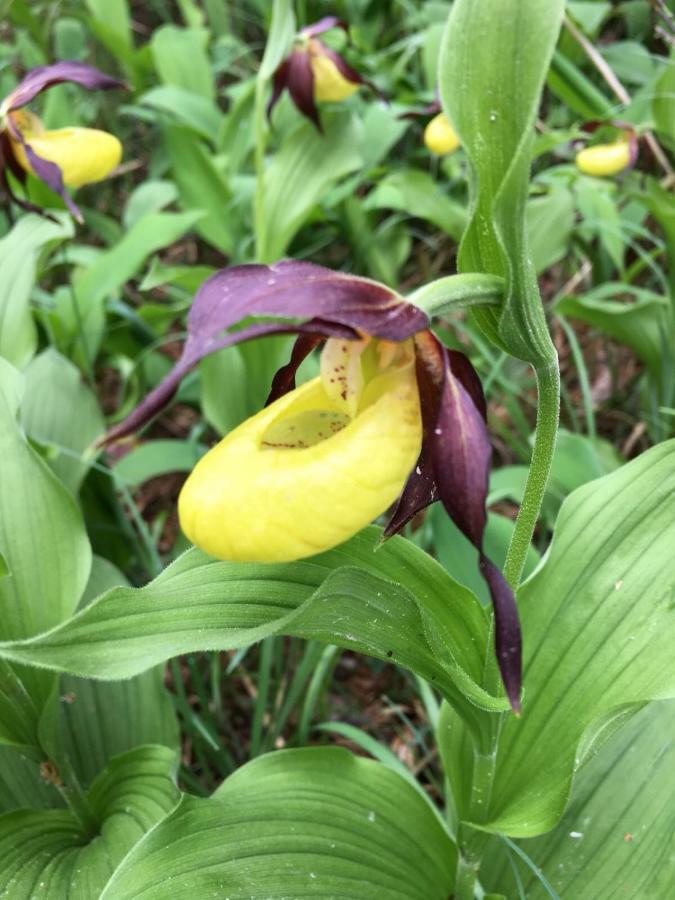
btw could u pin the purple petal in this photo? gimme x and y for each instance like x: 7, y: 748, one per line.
x: 463, y: 370
x: 45, y: 170
x: 43, y: 77
x: 302, y: 290
x: 158, y: 398
x: 419, y: 492
x: 508, y: 643
x: 460, y: 452
x: 284, y: 379
x: 300, y: 84
x: 430, y: 110
x: 51, y: 174
x: 335, y: 303
x: 279, y: 84
x: 324, y: 25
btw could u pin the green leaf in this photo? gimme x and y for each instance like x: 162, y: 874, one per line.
x: 101, y: 719
x: 396, y: 604
x: 616, y: 837
x: 42, y: 539
x: 418, y: 194
x: 50, y: 852
x: 640, y: 323
x: 316, y: 822
x: 550, y: 220
x: 18, y: 260
x: 202, y: 187
x: 148, y: 197
x: 187, y: 107
x: 21, y: 785
x: 305, y: 166
x: 663, y: 103
x: 236, y: 381
x: 60, y: 411
x: 112, y: 268
x: 181, y: 59
x: 490, y: 84
x: 599, y: 624
x: 38, y: 522
x: 153, y: 458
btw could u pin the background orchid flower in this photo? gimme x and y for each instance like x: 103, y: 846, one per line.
x: 65, y: 157
x: 439, y: 137
x: 605, y: 160
x: 394, y: 414
x: 314, y: 73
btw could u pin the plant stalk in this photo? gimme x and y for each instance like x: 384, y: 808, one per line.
x: 546, y: 431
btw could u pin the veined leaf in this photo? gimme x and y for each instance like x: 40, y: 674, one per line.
x: 60, y: 411
x: 304, y: 167
x: 599, y: 624
x: 490, y: 84
x: 397, y: 604
x: 316, y: 822
x: 418, y: 194
x: 616, y: 837
x: 102, y: 719
x: 49, y: 853
x: 18, y: 257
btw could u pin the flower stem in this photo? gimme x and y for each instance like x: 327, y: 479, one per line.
x: 546, y: 431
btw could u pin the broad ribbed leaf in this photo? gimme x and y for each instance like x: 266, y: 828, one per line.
x: 490, y: 83
x: 60, y: 411
x: 47, y: 853
x: 305, y: 166
x: 397, y: 604
x: 599, y: 623
x: 616, y: 837
x: 317, y: 822
x: 101, y: 719
x: 42, y: 539
x: 18, y: 255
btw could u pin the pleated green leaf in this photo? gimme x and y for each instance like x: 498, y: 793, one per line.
x: 317, y: 822
x: 616, y: 837
x: 102, y: 719
x: 396, y: 604
x: 42, y: 539
x: 49, y: 854
x: 305, y: 167
x: 18, y: 259
x: 599, y: 625
x: 490, y: 84
x: 61, y: 412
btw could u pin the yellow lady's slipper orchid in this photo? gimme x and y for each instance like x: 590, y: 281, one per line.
x: 314, y: 73
x: 329, y: 83
x: 313, y: 468
x: 65, y: 157
x: 440, y: 137
x: 605, y: 160
x: 84, y: 155
x: 394, y: 417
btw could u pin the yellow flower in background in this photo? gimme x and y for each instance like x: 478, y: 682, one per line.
x: 315, y: 73
x: 440, y: 137
x: 63, y: 157
x: 329, y: 83
x: 326, y: 459
x: 605, y: 160
x: 84, y: 155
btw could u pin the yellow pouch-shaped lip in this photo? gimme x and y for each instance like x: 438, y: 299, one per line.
x: 251, y: 502
x: 440, y: 137
x: 84, y: 155
x: 329, y: 83
x: 604, y: 160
